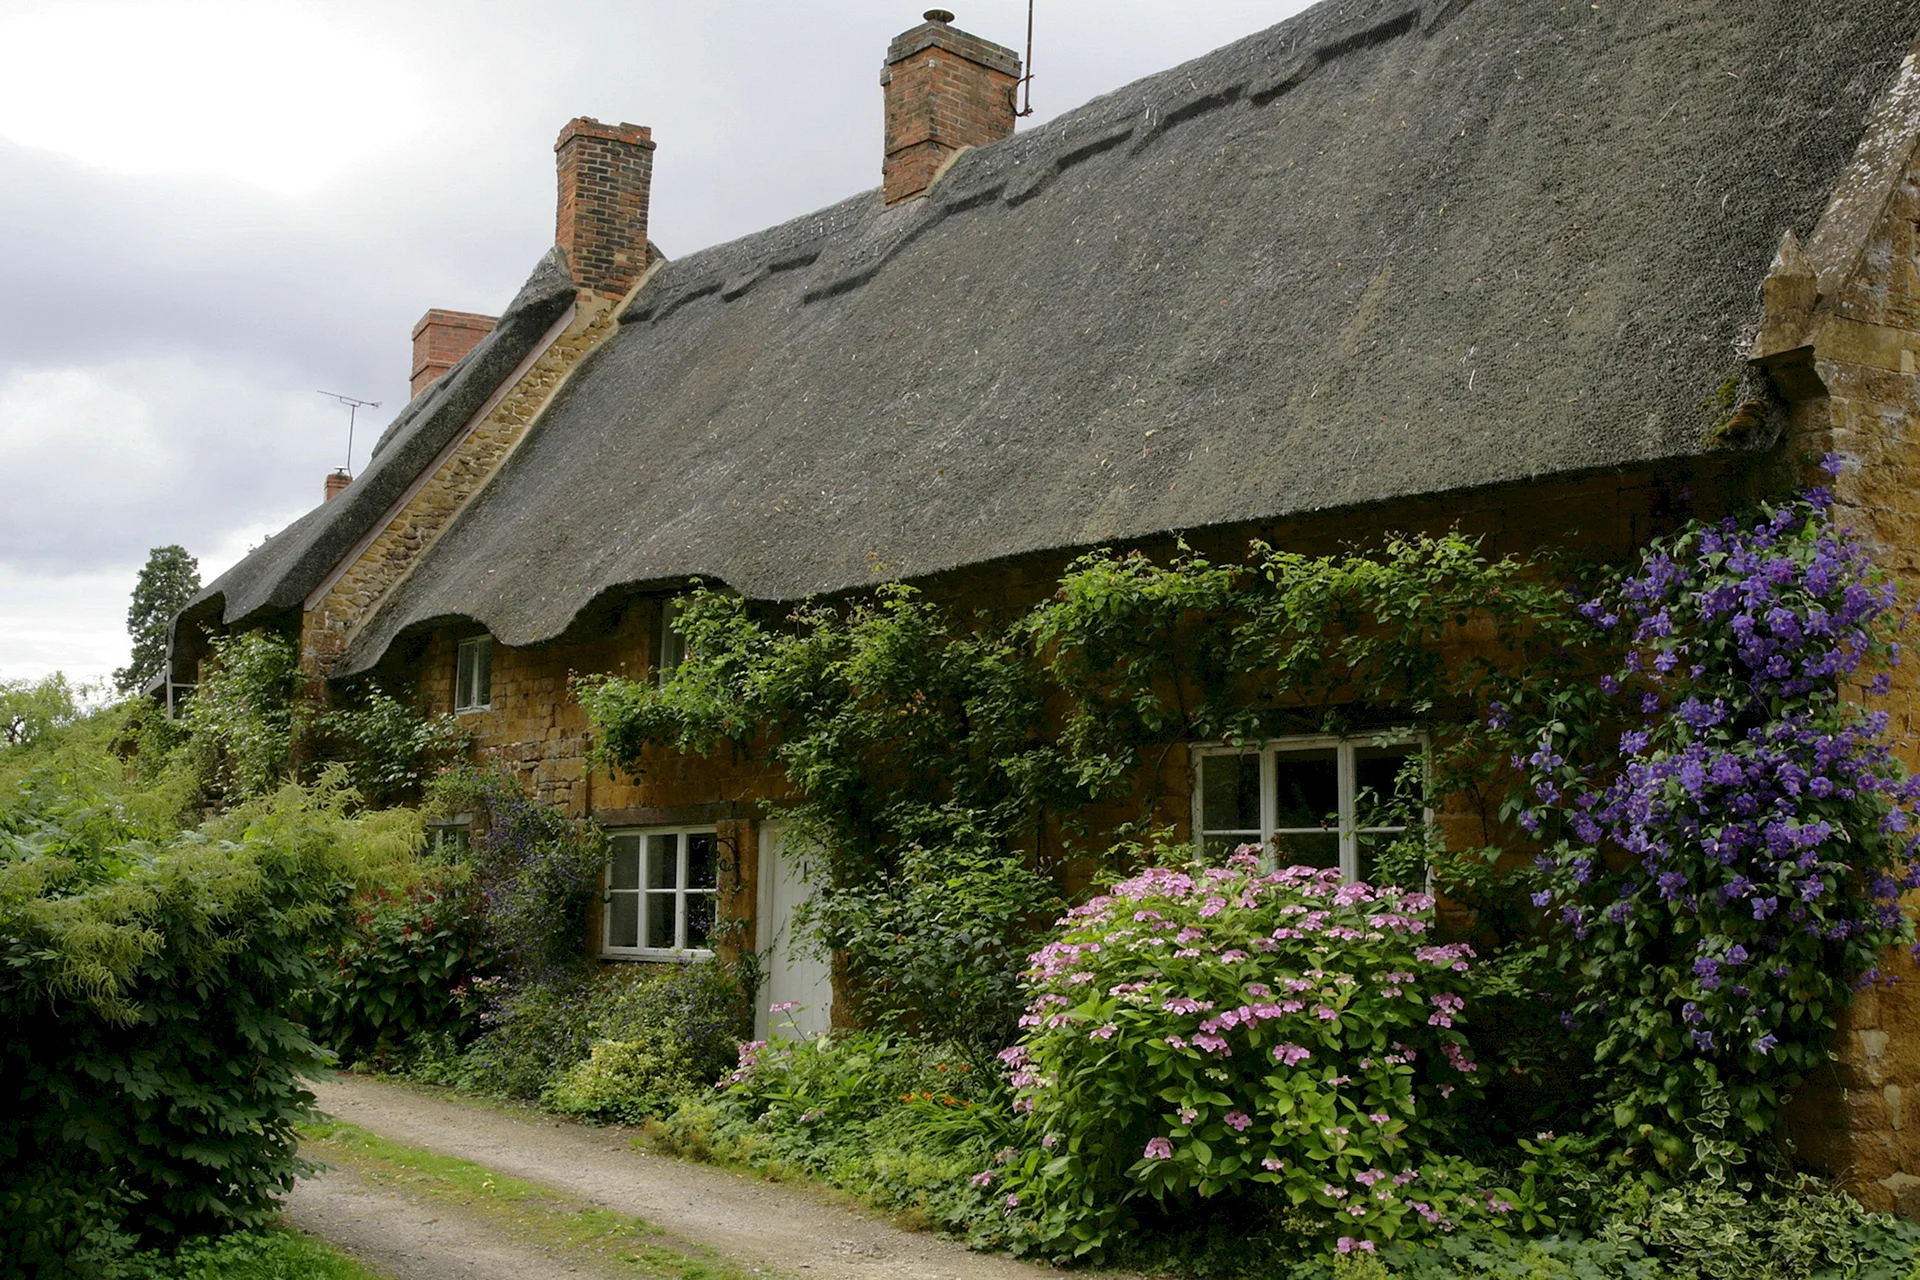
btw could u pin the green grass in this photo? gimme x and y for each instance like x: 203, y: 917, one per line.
x: 273, y: 1254
x: 518, y: 1209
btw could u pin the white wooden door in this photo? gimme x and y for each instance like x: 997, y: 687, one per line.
x: 802, y: 980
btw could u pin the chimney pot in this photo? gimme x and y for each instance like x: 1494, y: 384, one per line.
x: 605, y: 177
x: 337, y: 482
x: 441, y: 338
x: 938, y: 105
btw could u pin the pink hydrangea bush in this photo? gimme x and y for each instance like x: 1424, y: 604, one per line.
x: 1209, y: 1031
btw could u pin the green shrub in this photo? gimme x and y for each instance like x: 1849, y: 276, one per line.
x: 901, y: 1123
x: 936, y: 948
x: 1793, y: 1229
x: 153, y: 1070
x: 538, y: 1041
x: 390, y: 749
x: 626, y: 1080
x: 248, y: 1255
x: 403, y: 969
x: 1216, y: 1031
x: 239, y: 722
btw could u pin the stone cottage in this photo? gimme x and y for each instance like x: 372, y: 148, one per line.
x: 1531, y: 270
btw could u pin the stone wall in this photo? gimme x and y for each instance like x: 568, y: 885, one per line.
x: 1861, y: 339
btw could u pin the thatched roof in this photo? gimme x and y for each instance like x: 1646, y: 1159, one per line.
x: 1384, y: 249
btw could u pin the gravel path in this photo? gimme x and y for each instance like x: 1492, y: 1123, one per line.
x: 788, y: 1230
x: 416, y: 1240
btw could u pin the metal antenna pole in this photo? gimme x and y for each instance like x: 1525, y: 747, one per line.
x: 353, y: 408
x: 1027, y: 80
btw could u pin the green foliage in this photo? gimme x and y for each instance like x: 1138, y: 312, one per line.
x: 1218, y: 1032
x: 247, y: 1255
x: 534, y: 872
x: 402, y: 970
x: 391, y: 750
x: 902, y: 1123
x: 947, y: 933
x: 675, y: 1027
x: 663, y: 1031
x: 148, y: 986
x: 31, y: 709
x: 240, y: 720
x: 1795, y: 1229
x: 167, y: 581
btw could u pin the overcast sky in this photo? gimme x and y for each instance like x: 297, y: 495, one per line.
x: 211, y: 209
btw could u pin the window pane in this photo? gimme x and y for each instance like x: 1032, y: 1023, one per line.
x: 660, y: 920
x: 663, y: 862
x: 700, y: 863
x: 1309, y: 850
x: 625, y: 872
x: 1308, y: 786
x: 483, y: 673
x: 1381, y: 863
x: 623, y: 920
x: 1376, y: 777
x: 1230, y: 793
x: 1216, y: 848
x: 699, y: 919
x: 463, y: 680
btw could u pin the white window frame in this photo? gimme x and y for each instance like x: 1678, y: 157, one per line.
x: 464, y: 664
x: 669, y: 645
x: 681, y: 893
x: 1347, y: 784
x: 455, y: 833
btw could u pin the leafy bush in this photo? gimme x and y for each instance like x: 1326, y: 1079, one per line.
x: 1213, y: 1031
x: 31, y: 709
x: 1728, y: 834
x: 391, y: 750
x: 899, y: 1122
x: 148, y: 987
x: 1795, y: 1229
x: 239, y: 721
x: 664, y: 1031
x: 402, y: 969
x: 247, y: 1255
x: 945, y: 934
x: 534, y: 870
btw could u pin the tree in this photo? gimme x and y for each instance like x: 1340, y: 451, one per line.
x: 29, y: 708
x: 169, y: 580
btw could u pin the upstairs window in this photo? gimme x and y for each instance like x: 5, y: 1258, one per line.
x: 670, y: 645
x: 473, y: 675
x: 1316, y: 802
x: 661, y: 894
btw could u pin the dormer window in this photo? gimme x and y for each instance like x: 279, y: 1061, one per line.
x: 473, y: 675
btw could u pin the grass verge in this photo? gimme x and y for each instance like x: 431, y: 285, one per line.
x: 522, y: 1210
x: 270, y: 1254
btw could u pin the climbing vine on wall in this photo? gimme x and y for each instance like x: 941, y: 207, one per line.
x: 1701, y: 838
x: 968, y: 755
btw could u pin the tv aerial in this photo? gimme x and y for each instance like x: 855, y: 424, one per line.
x: 354, y: 406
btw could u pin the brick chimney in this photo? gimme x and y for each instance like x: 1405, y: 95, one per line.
x: 945, y: 90
x: 441, y: 338
x: 337, y: 482
x: 606, y: 177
